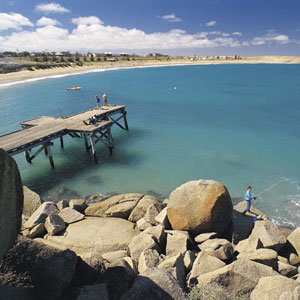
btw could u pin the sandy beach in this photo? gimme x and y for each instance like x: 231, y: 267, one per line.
x: 25, y: 75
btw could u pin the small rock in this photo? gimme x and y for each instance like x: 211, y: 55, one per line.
x: 110, y: 257
x: 140, y: 243
x: 148, y: 259
x: 204, y: 237
x: 142, y: 224
x: 152, y: 212
x: 162, y: 218
x: 54, y: 224
x: 62, y: 204
x: 141, y: 208
x: 294, y: 260
x: 70, y: 215
x: 160, y: 235
x: 175, y: 266
x: 178, y: 242
x: 188, y: 260
x: 78, y: 204
x: 219, y: 248
x: 286, y: 269
x: 37, y: 231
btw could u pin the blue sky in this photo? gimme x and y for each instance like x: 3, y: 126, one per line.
x: 176, y: 27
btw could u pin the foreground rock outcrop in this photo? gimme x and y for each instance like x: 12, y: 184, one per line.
x: 11, y: 201
x: 129, y: 247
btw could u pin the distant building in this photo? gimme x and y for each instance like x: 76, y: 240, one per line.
x: 155, y: 55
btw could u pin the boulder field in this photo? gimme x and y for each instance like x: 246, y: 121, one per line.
x: 133, y: 246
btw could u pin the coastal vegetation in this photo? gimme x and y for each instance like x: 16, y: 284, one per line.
x: 18, y: 61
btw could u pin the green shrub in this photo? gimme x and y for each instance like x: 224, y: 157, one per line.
x: 213, y: 291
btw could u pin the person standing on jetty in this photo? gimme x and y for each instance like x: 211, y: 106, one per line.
x: 248, y: 198
x: 104, y: 97
x: 97, y: 100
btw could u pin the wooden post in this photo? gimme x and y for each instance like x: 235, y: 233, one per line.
x: 86, y: 142
x: 27, y: 156
x: 110, y: 141
x: 93, y: 149
x: 125, y: 120
x: 61, y: 141
x: 50, y: 156
x: 46, y: 150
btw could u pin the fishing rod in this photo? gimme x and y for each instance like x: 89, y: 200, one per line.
x: 270, y: 187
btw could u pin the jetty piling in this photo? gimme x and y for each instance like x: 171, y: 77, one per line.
x: 41, y: 131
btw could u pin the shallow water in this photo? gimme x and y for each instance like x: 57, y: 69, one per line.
x: 238, y: 124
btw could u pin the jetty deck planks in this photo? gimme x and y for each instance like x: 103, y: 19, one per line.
x: 42, y: 130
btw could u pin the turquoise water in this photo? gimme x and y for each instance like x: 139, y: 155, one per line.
x: 237, y: 124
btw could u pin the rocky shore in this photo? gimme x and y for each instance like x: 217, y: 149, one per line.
x: 133, y: 246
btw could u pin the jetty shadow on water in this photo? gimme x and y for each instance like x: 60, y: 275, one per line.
x: 73, y: 161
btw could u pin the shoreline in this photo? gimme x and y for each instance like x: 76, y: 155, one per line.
x: 23, y: 76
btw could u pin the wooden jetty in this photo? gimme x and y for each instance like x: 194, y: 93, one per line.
x: 40, y: 132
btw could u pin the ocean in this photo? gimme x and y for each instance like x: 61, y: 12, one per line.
x: 237, y: 124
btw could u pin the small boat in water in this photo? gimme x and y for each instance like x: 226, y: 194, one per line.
x: 75, y: 87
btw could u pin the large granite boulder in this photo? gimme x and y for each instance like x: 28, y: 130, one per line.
x: 31, y: 264
x: 155, y: 284
x: 204, y: 263
x: 200, y: 206
x: 269, y: 235
x: 115, y: 206
x: 93, y: 235
x: 11, y: 201
x: 32, y: 201
x: 267, y: 257
x: 272, y: 287
x: 294, y: 240
x: 240, y: 276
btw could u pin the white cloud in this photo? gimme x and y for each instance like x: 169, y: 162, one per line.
x: 237, y: 33
x: 211, y: 23
x: 270, y: 37
x: 52, y: 7
x: 87, y: 20
x: 93, y: 36
x: 13, y: 21
x: 47, y: 22
x: 171, y: 18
